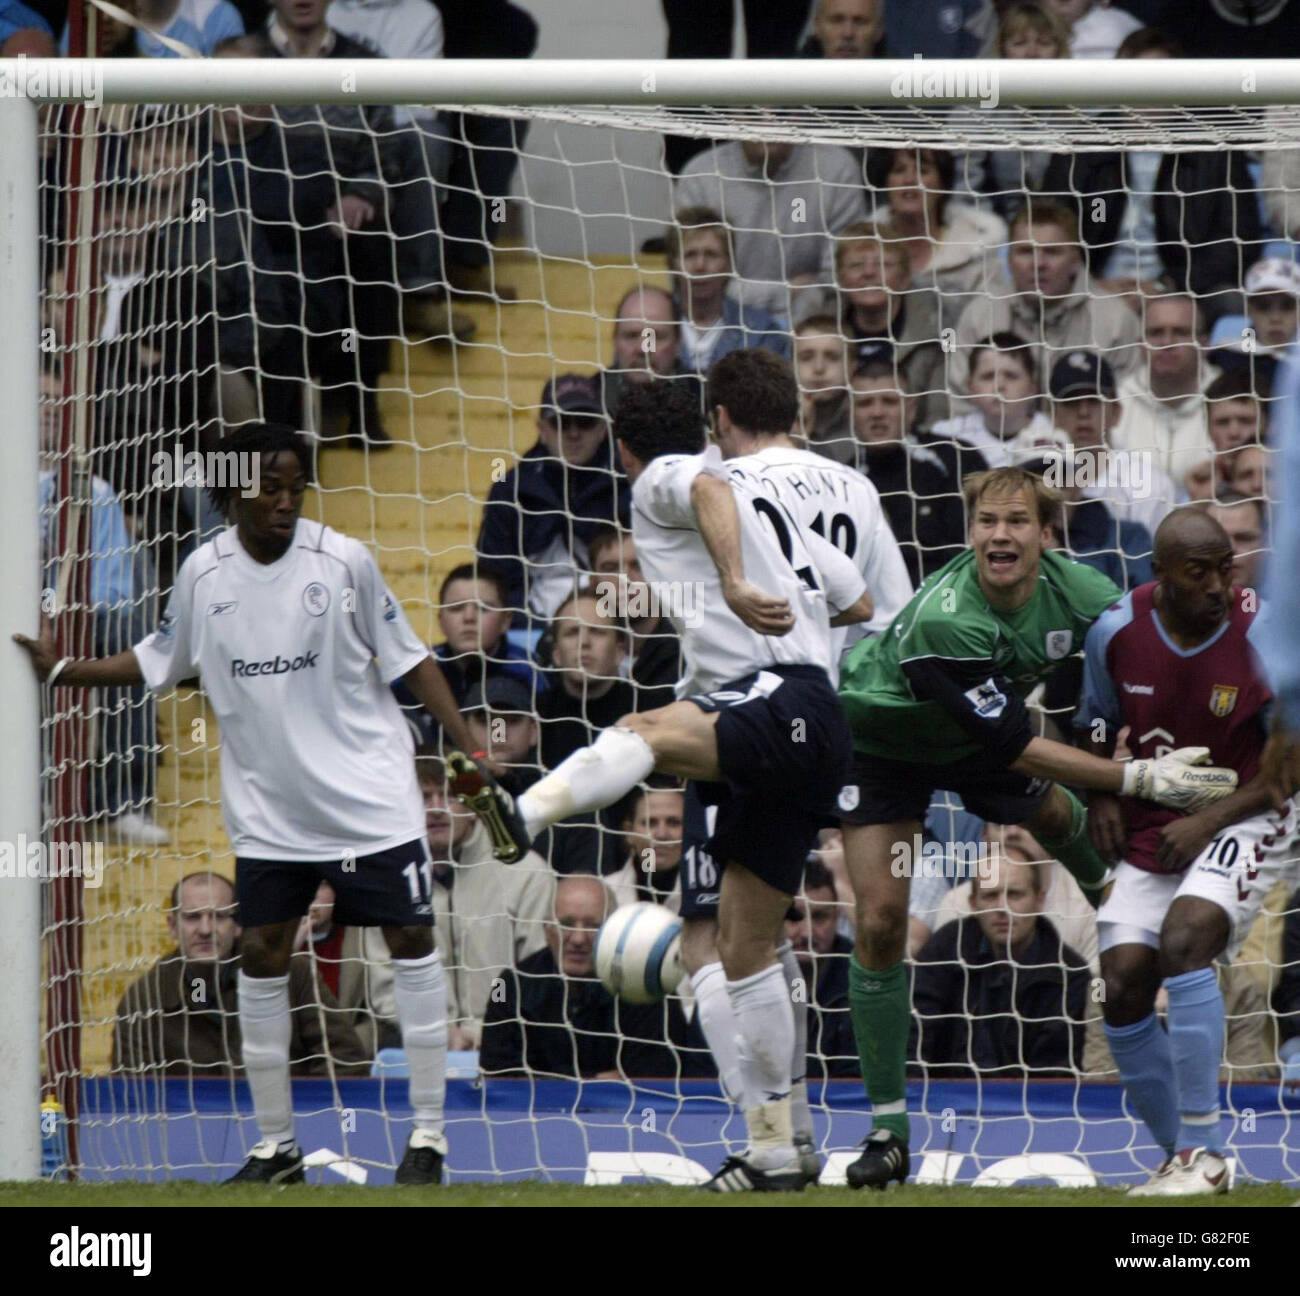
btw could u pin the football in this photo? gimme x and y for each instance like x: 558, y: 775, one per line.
x: 639, y: 952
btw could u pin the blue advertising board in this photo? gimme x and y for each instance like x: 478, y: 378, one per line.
x: 994, y: 1133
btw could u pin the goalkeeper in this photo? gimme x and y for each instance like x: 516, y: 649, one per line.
x: 938, y: 702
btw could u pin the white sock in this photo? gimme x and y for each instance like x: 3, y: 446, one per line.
x: 713, y: 1005
x: 421, y: 993
x: 590, y: 779
x: 765, y: 1036
x: 266, y: 1029
x: 799, y: 990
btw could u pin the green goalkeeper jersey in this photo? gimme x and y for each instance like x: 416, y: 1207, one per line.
x: 948, y: 679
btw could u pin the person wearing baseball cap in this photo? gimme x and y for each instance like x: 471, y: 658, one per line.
x: 1272, y: 293
x: 1085, y: 406
x: 500, y: 715
x: 540, y: 515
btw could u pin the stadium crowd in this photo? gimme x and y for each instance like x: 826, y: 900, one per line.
x: 1112, y: 320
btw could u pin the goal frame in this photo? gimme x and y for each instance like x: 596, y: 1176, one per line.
x: 1240, y: 85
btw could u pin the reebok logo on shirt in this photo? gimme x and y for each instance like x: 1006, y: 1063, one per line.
x: 241, y: 669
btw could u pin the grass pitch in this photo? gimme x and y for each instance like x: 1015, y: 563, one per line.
x: 183, y: 1193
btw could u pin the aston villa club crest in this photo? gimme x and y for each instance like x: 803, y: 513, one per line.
x: 1058, y: 644
x: 316, y: 598
x: 1223, y: 697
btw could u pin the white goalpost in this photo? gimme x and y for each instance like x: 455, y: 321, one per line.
x: 153, y: 297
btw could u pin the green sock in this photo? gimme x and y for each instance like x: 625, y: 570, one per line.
x: 882, y: 1015
x: 1075, y: 850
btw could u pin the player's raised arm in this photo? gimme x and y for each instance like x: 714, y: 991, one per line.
x: 121, y: 668
x: 719, y: 523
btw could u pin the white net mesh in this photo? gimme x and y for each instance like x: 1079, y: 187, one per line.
x: 197, y: 276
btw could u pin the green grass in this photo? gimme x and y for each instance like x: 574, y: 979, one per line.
x: 182, y: 1193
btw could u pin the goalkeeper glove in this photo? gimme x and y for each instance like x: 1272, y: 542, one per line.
x: 1182, y: 780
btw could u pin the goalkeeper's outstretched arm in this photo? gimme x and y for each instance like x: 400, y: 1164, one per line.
x: 1181, y: 780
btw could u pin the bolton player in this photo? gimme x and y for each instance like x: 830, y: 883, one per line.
x: 759, y: 731
x: 296, y: 639
x: 1175, y: 662
x: 753, y: 401
x: 937, y: 702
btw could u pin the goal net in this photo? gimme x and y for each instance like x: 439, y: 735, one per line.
x: 207, y: 264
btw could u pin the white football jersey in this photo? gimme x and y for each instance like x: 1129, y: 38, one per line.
x: 296, y: 657
x: 778, y: 557
x: 841, y: 505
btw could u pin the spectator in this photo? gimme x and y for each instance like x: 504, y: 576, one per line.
x: 1250, y: 474
x: 1085, y: 408
x: 474, y: 617
x: 711, y: 323
x: 589, y: 642
x: 1087, y: 529
x: 1242, y: 517
x: 551, y: 1016
x: 28, y: 31
x: 1286, y: 994
x: 1191, y: 220
x: 999, y: 994
x: 1162, y: 401
x: 121, y: 780
x: 411, y: 29
x: 229, y: 255
x: 821, y: 368
x: 653, y: 645
x: 199, y: 24
x: 1235, y: 419
x: 1199, y: 481
x: 951, y: 246
x: 487, y: 914
x: 155, y: 362
x: 875, y: 305
x: 822, y: 950
x: 484, y: 150
x: 1272, y: 295
x: 1064, y: 902
x: 918, y: 476
x: 323, y: 938
x: 652, y: 847
x: 500, y: 718
x: 1002, y: 177
x: 1006, y: 394
x: 1053, y: 303
x: 704, y: 29
x: 1096, y: 31
x: 345, y: 157
x: 843, y: 29
x: 540, y: 516
x: 783, y: 203
x: 938, y: 29
x: 1234, y: 29
x: 182, y: 1016
x: 647, y: 345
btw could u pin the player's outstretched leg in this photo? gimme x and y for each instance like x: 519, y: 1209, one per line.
x: 878, y: 997
x: 265, y: 1027
x: 801, y: 1121
x: 589, y: 779
x: 750, y: 914
x: 420, y: 990
x: 1195, y: 932
x: 1061, y: 825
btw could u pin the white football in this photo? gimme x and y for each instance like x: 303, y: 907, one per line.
x: 639, y: 952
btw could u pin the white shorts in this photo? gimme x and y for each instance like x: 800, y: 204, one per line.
x: 1235, y: 871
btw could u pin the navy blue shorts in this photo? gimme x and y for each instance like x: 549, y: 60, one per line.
x: 784, y: 749
x: 882, y: 791
x: 392, y: 888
